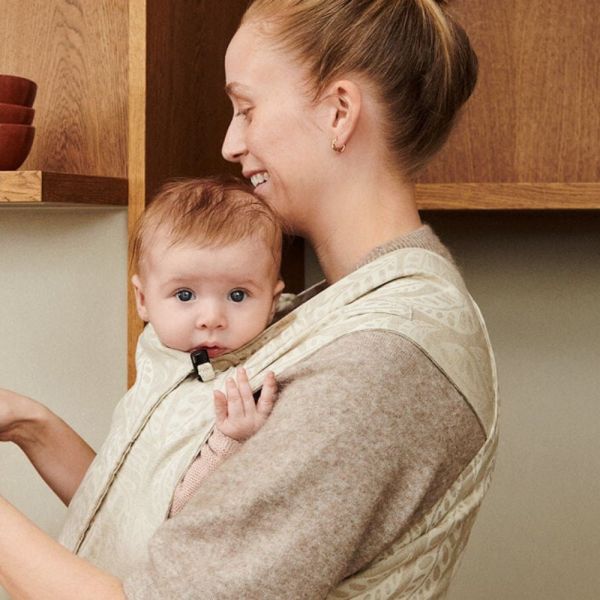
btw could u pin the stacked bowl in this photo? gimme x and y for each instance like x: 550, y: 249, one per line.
x: 16, y: 115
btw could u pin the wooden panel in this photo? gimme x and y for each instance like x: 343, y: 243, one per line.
x: 481, y: 148
x: 508, y: 196
x: 187, y: 109
x: 292, y: 267
x: 19, y: 187
x: 535, y: 115
x: 558, y: 78
x: 76, y: 50
x: 137, y: 156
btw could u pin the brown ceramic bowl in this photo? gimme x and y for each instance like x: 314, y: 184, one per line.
x: 17, y: 90
x: 15, y: 144
x: 14, y: 113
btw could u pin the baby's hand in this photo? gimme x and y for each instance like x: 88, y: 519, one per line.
x: 238, y: 416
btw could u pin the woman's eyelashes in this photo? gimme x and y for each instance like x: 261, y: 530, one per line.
x: 243, y: 112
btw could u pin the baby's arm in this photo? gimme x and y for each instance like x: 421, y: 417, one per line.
x: 56, y: 451
x: 238, y: 417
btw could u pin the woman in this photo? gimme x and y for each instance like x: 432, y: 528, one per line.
x: 368, y: 475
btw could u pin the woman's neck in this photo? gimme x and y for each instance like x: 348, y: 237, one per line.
x: 359, y: 219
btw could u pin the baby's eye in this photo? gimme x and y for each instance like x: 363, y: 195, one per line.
x: 237, y: 295
x: 184, y: 295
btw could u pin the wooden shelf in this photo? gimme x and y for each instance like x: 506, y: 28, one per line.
x: 19, y: 188
x: 26, y: 188
x: 508, y: 196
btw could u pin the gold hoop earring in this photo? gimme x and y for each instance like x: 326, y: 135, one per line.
x: 336, y: 148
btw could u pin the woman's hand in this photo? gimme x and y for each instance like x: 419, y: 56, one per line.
x: 238, y: 416
x: 18, y: 417
x: 56, y: 451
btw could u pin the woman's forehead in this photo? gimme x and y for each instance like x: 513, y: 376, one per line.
x: 252, y: 54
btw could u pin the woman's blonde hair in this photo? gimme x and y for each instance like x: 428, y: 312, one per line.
x: 416, y: 54
x: 209, y: 211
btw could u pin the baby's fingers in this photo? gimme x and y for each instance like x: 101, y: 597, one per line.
x: 220, y: 401
x: 245, y: 390
x: 268, y: 394
x: 235, y: 405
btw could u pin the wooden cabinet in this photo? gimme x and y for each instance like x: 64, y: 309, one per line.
x: 134, y: 90
x: 77, y: 53
x: 530, y: 136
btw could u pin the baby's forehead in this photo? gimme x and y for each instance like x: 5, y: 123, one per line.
x: 251, y: 254
x: 163, y: 241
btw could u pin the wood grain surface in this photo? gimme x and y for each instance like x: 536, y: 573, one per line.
x: 20, y: 187
x: 535, y: 115
x: 187, y: 109
x: 76, y: 51
x: 136, y: 157
x: 508, y: 196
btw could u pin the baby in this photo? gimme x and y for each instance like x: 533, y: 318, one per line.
x: 206, y: 256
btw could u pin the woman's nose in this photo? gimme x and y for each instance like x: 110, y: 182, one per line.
x: 233, y: 145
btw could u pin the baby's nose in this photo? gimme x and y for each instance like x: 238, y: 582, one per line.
x: 211, y: 316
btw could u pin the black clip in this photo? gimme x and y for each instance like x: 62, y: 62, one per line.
x: 201, y: 363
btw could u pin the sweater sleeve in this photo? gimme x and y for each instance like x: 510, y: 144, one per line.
x: 216, y: 451
x: 366, y: 435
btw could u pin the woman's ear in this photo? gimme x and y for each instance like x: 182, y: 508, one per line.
x: 343, y: 104
x: 140, y: 299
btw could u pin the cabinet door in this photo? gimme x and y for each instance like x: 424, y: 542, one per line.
x: 534, y: 116
x: 76, y: 51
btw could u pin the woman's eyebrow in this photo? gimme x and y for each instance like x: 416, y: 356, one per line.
x: 236, y: 89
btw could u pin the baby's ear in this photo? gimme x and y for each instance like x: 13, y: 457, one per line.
x: 279, y: 286
x: 140, y: 299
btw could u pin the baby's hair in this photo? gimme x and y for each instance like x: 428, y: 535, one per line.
x: 209, y: 211
x: 416, y: 54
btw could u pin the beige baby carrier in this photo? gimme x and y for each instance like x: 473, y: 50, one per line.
x: 160, y: 425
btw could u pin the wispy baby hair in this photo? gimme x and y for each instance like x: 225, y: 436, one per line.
x: 209, y: 211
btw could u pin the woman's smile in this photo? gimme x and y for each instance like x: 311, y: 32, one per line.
x: 259, y: 178
x: 274, y: 126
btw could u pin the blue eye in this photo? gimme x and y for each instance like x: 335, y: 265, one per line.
x: 237, y: 295
x: 184, y: 295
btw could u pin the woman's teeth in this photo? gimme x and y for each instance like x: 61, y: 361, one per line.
x: 259, y: 178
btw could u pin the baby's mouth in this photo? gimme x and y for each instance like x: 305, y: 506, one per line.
x: 214, y: 351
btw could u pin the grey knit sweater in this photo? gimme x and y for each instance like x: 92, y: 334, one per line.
x: 366, y: 435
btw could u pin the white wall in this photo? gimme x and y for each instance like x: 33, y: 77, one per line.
x: 62, y: 329
x: 537, y: 280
